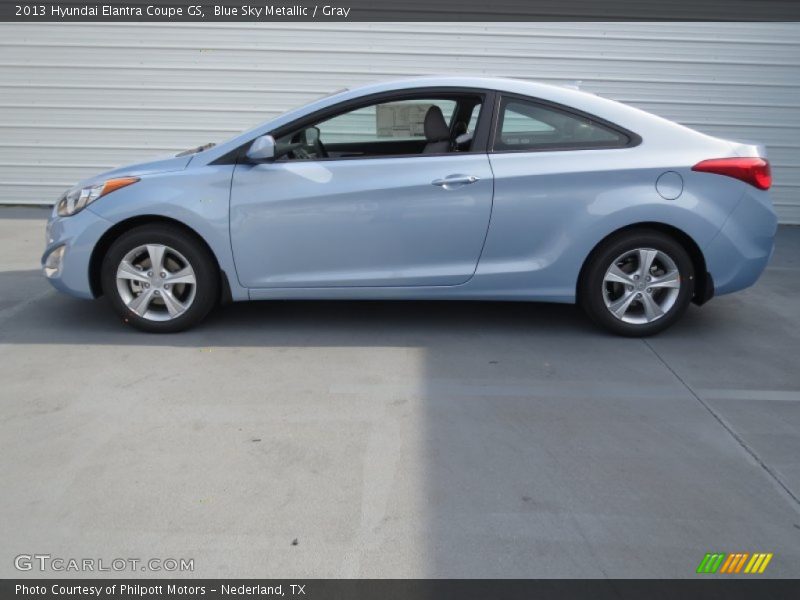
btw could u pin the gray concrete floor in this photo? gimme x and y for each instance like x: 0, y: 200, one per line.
x: 399, y: 439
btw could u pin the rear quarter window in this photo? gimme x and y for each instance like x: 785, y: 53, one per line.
x: 526, y: 125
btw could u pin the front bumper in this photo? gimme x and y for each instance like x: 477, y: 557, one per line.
x: 739, y: 253
x: 78, y: 235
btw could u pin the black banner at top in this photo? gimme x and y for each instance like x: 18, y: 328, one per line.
x: 400, y: 10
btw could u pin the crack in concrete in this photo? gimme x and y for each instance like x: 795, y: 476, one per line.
x: 770, y: 472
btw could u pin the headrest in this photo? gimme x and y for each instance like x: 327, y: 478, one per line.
x: 436, y: 129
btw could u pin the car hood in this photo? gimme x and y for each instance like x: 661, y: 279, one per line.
x: 163, y: 165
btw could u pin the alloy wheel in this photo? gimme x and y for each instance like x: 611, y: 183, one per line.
x: 156, y: 282
x: 641, y: 286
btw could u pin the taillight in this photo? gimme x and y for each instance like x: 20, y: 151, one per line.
x: 754, y: 171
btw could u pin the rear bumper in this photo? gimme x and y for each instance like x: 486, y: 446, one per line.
x: 739, y: 253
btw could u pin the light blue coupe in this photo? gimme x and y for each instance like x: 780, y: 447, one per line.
x: 430, y: 188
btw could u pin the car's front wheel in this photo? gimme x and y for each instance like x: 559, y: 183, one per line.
x: 160, y: 278
x: 637, y: 283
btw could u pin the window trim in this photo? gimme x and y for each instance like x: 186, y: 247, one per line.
x: 633, y: 139
x: 480, y: 140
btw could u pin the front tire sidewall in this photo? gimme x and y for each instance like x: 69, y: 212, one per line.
x: 591, y: 292
x: 207, y: 278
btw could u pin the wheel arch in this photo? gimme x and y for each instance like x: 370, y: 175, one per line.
x: 704, y: 287
x: 104, y: 243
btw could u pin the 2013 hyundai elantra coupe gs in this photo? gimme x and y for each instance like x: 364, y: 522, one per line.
x: 431, y: 188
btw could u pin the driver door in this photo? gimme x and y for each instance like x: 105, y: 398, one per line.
x: 343, y: 211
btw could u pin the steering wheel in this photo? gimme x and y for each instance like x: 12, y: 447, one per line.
x: 301, y: 147
x: 300, y: 153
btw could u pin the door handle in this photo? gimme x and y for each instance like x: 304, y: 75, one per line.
x: 455, y: 180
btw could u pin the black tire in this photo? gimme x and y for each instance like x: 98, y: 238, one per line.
x: 195, y: 253
x: 592, y: 290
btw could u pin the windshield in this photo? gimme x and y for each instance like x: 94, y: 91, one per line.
x: 196, y: 150
x: 210, y: 145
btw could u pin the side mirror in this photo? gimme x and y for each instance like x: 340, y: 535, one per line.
x: 262, y: 149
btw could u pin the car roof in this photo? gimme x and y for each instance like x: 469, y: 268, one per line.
x: 492, y: 83
x: 559, y: 94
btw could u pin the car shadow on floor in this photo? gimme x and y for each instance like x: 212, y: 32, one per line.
x: 33, y: 313
x: 41, y: 315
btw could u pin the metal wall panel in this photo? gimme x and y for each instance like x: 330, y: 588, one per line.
x: 78, y: 98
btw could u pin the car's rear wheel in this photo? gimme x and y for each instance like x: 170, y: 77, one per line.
x: 637, y: 283
x: 160, y: 278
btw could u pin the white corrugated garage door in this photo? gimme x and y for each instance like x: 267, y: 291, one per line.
x: 76, y: 99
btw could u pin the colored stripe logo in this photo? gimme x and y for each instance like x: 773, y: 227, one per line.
x: 735, y: 562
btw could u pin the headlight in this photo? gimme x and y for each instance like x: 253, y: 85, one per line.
x: 77, y: 198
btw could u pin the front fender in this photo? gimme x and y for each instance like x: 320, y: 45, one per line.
x: 197, y: 198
